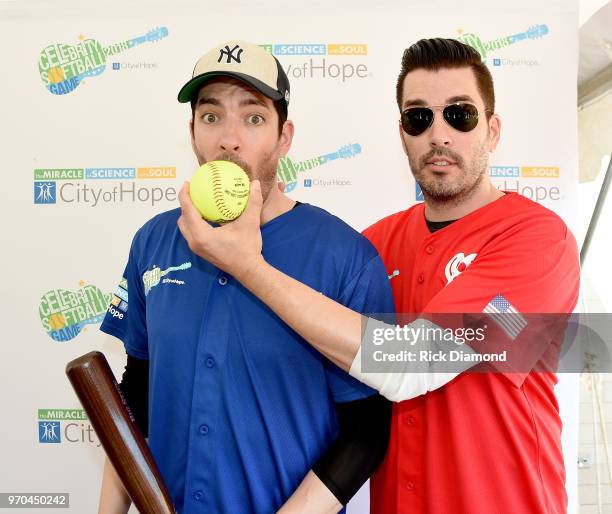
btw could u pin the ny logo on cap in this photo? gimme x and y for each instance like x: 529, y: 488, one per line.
x: 230, y: 54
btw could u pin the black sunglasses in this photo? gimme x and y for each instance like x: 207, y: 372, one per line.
x: 461, y: 116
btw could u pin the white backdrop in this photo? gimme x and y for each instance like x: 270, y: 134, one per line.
x: 67, y: 233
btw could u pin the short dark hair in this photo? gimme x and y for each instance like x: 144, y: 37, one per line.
x: 279, y: 106
x: 433, y: 54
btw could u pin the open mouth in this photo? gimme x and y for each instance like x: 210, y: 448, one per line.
x: 440, y: 164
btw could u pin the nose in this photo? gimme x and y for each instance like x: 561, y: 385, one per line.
x: 230, y: 138
x: 440, y: 132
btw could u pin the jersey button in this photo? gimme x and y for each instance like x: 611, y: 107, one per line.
x: 410, y: 486
x: 210, y: 362
x: 410, y: 420
x: 204, y: 429
x: 429, y: 249
x: 198, y: 496
x: 222, y: 280
x: 421, y: 278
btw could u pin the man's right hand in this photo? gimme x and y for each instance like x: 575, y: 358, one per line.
x: 234, y: 247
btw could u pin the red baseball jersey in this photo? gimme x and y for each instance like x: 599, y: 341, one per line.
x: 485, y: 442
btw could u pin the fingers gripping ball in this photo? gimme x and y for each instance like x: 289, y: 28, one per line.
x: 220, y: 191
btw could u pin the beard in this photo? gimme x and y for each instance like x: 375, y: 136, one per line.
x: 264, y: 171
x: 441, y: 189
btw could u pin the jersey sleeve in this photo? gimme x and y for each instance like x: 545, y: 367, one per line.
x: 368, y: 292
x: 520, y: 276
x: 126, y: 314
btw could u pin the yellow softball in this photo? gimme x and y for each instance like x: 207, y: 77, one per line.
x: 220, y: 191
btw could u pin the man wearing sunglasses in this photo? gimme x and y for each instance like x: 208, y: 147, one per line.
x: 482, y: 442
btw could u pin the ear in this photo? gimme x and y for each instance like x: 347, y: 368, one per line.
x: 402, y: 135
x: 191, y: 128
x: 494, y: 131
x: 286, y: 138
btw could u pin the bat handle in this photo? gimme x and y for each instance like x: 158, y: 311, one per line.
x: 126, y: 448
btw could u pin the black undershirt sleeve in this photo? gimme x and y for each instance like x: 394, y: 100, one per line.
x: 135, y: 388
x: 364, y: 427
x: 361, y: 445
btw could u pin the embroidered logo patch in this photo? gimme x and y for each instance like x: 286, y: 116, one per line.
x: 154, y: 276
x: 457, y: 265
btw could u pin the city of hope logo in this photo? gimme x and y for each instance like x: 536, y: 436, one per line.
x: 97, y: 186
x: 44, y: 192
x: 56, y: 426
x: 320, y: 62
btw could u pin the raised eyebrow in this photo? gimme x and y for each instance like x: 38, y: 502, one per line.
x: 254, y: 101
x: 207, y: 100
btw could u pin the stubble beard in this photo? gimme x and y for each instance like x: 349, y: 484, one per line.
x: 446, y: 193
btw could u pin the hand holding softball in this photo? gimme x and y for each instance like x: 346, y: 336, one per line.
x: 234, y: 247
x: 219, y: 190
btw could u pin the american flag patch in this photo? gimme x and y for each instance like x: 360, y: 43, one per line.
x: 506, y: 316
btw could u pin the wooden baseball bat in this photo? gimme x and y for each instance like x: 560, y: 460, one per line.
x: 97, y: 389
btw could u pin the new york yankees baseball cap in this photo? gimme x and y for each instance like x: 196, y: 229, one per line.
x: 243, y: 61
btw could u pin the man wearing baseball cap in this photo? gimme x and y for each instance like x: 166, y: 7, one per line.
x: 242, y: 415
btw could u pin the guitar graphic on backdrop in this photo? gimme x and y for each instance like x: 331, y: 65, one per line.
x: 288, y: 169
x: 63, y: 67
x: 64, y: 313
x: 482, y: 47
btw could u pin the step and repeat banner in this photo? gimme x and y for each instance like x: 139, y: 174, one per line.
x: 95, y: 143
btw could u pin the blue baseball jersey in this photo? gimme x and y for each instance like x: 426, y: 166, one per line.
x: 240, y: 406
